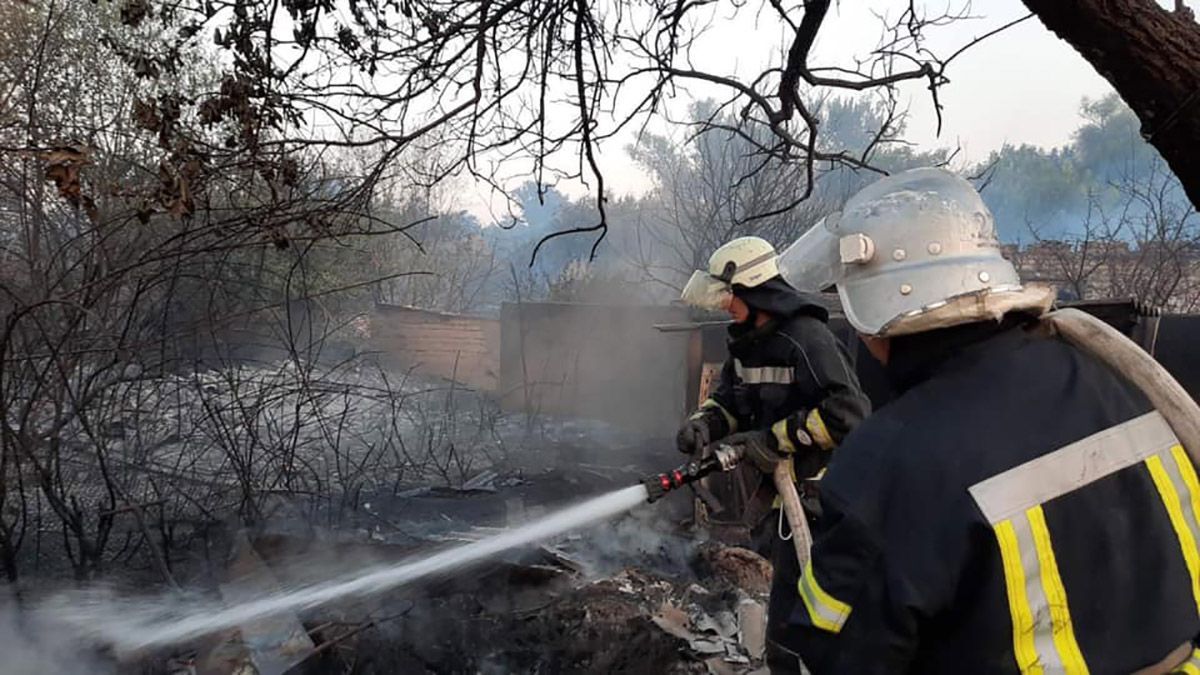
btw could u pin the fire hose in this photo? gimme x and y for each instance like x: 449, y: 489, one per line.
x: 1123, y: 355
x: 725, y: 458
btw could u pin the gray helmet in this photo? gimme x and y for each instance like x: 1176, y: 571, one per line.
x: 908, y: 253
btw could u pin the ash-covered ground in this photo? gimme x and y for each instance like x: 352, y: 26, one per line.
x: 313, y: 475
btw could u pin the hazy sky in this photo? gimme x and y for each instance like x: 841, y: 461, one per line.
x: 1021, y: 86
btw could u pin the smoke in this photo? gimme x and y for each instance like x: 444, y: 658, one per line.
x: 604, y: 362
x: 640, y: 538
x: 1094, y: 185
x: 32, y: 644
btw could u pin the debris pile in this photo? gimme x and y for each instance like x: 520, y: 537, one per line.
x: 539, y: 611
x: 536, y: 620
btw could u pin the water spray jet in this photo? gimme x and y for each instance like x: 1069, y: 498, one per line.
x: 130, y: 626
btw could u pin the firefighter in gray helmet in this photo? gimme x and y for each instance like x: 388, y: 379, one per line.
x: 1017, y: 508
x: 787, y: 392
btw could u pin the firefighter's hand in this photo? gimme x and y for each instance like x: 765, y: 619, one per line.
x: 758, y: 447
x: 695, y: 433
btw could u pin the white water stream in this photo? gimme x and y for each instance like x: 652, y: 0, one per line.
x: 133, y: 625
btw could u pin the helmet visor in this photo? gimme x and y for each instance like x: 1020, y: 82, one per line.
x: 812, y: 263
x: 705, y: 291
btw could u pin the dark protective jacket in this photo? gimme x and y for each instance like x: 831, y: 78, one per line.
x: 1017, y: 505
x: 791, y: 375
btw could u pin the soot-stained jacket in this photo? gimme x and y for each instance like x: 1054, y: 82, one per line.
x: 790, y: 375
x: 1017, y: 508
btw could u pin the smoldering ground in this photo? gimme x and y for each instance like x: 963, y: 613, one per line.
x: 499, y: 596
x: 145, y: 624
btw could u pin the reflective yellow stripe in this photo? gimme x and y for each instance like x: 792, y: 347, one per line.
x: 781, y: 435
x: 1018, y: 604
x: 1043, y: 635
x: 817, y: 429
x: 824, y: 611
x: 1056, y: 595
x: 1161, y: 474
x: 1188, y: 473
x: 1191, y: 666
x: 712, y: 403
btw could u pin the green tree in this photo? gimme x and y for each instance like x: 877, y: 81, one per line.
x: 1038, y: 193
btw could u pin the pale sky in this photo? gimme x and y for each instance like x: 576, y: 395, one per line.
x: 1022, y: 86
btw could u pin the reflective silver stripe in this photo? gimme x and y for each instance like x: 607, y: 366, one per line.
x: 1071, y: 467
x: 1039, y: 607
x: 1175, y: 478
x: 1186, y: 499
x: 763, y: 374
x: 1043, y: 635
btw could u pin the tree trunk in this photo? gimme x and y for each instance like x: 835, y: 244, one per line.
x: 1152, y: 57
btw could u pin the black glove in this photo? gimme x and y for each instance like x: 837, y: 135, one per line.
x: 759, y: 447
x: 697, y: 432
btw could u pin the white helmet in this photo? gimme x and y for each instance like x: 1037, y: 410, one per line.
x: 745, y: 261
x: 910, y: 253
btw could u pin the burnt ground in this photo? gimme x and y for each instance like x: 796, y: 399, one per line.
x: 645, y: 593
x: 587, y: 603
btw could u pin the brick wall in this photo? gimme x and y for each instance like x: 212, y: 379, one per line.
x: 451, y: 346
x: 1160, y: 275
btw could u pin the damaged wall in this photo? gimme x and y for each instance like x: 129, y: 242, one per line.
x: 603, y: 362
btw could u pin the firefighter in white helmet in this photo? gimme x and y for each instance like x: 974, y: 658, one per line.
x: 1017, y: 508
x: 787, y: 392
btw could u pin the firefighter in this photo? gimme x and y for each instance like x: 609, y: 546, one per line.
x: 788, y: 389
x: 1018, y: 507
